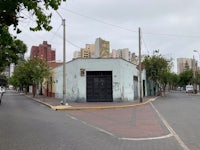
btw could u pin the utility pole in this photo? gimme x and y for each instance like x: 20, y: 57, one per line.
x: 64, y: 63
x: 140, y: 67
x: 47, y: 62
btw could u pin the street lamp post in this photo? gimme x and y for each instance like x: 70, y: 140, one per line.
x: 197, y: 53
x: 195, y: 68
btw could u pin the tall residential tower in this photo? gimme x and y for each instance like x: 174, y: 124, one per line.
x: 43, y: 51
x: 102, y: 49
x: 184, y: 64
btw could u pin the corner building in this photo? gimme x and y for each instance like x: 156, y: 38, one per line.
x: 99, y: 80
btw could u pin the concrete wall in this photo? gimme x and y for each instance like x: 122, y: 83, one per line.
x: 122, y: 75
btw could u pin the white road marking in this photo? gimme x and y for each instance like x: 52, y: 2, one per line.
x: 123, y: 138
x: 149, y: 138
x: 101, y: 130
x: 95, y: 127
x: 179, y: 140
x: 74, y: 118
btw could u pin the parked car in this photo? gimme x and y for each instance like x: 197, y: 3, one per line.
x: 189, y: 89
x: 178, y: 88
x: 2, y: 89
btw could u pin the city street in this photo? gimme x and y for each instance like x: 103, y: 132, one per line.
x: 182, y: 111
x: 28, y: 125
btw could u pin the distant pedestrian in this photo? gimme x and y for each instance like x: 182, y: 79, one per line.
x: 1, y: 94
x: 2, y: 90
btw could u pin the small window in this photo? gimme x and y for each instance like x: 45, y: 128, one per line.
x: 82, y: 72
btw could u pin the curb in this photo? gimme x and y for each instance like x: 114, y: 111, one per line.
x: 46, y: 104
x: 63, y: 107
x: 100, y: 107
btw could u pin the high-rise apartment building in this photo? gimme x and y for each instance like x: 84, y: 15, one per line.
x: 134, y: 59
x: 77, y: 54
x: 88, y: 51
x: 43, y: 51
x: 90, y: 48
x: 85, y: 52
x: 184, y: 64
x: 102, y: 49
x: 121, y: 53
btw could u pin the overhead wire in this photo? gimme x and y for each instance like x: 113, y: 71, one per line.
x: 98, y: 20
x: 116, y: 26
x: 54, y: 33
x: 145, y: 45
x: 120, y: 27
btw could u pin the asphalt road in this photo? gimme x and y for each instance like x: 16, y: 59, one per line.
x: 28, y: 125
x: 182, y: 112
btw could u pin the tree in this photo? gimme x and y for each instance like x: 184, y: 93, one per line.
x: 197, y: 78
x: 19, y: 78
x: 11, y: 49
x: 185, y: 78
x: 173, y: 80
x: 31, y: 72
x: 11, y: 12
x: 3, y: 80
x: 157, y: 69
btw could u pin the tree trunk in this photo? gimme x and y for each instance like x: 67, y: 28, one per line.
x: 34, y: 90
x: 163, y: 90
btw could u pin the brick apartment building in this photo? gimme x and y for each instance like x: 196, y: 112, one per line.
x: 43, y: 51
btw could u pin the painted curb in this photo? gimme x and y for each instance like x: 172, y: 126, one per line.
x: 63, y: 107
x: 103, y: 107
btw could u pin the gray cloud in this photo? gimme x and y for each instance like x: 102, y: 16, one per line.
x: 171, y: 26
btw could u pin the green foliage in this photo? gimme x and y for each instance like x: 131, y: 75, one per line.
x: 173, y: 80
x: 19, y: 78
x: 3, y: 81
x: 185, y: 78
x: 157, y: 69
x: 30, y: 72
x: 155, y: 66
x: 11, y: 12
x: 11, y: 49
x: 197, y: 79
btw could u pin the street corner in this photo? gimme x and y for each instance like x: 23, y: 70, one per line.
x: 132, y: 123
x: 98, y: 106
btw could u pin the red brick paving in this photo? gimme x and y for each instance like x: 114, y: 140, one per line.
x: 135, y: 122
x: 132, y: 122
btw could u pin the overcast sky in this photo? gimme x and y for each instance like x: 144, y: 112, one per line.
x: 172, y: 26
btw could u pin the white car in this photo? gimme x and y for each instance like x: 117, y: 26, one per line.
x: 189, y: 89
x: 2, y: 89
